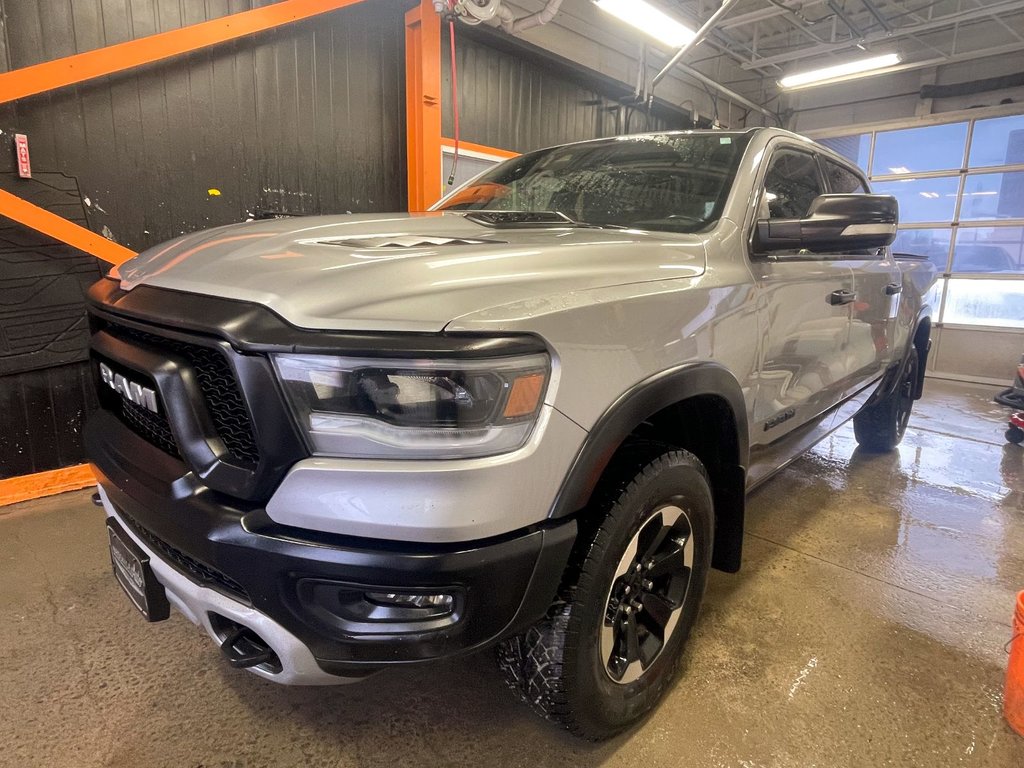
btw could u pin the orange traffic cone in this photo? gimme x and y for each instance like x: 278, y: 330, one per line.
x: 1013, y: 693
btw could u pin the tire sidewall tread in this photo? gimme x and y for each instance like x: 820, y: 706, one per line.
x: 555, y: 666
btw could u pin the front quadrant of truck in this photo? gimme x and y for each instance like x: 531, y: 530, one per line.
x: 526, y: 419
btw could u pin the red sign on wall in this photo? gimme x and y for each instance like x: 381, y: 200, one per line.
x: 21, y: 150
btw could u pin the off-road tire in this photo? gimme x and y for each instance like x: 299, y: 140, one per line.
x: 880, y: 427
x: 556, y: 666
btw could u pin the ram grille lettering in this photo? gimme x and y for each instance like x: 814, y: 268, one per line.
x: 129, y: 390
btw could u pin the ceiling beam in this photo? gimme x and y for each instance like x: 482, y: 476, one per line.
x: 765, y: 13
x: 878, y: 37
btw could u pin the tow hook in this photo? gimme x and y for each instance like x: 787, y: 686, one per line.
x: 244, y: 648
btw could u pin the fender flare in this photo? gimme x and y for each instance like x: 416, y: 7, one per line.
x: 924, y: 316
x: 636, y: 405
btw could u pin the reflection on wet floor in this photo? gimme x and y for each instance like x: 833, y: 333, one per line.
x: 941, y: 517
x: 865, y: 630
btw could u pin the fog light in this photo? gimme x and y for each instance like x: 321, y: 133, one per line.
x: 380, y: 609
x: 433, y: 605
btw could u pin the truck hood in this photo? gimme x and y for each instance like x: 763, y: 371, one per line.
x: 404, y: 272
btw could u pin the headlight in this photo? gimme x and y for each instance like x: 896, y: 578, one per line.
x: 414, y: 408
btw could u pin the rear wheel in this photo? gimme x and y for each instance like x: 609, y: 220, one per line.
x: 1015, y: 435
x: 611, y: 643
x: 880, y: 427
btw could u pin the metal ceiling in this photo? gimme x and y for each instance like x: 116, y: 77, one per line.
x: 775, y: 37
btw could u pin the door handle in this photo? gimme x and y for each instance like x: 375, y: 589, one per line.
x: 841, y: 297
x: 893, y: 288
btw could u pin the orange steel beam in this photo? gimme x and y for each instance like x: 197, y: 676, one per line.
x: 49, y: 75
x: 40, y: 484
x: 423, y: 105
x: 41, y: 220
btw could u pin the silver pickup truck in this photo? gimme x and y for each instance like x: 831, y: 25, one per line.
x: 526, y: 419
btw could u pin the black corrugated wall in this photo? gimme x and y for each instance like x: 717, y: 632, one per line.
x: 307, y: 118
x: 515, y: 97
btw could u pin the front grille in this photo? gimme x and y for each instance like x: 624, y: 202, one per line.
x: 189, y: 566
x: 217, y: 383
x: 148, y: 425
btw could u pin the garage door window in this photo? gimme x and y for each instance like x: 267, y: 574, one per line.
x: 989, y: 250
x: 923, y: 200
x: 918, y: 150
x: 960, y: 186
x: 998, y: 141
x: 934, y: 244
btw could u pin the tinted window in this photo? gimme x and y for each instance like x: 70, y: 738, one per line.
x: 791, y: 183
x: 854, y: 148
x: 842, y: 181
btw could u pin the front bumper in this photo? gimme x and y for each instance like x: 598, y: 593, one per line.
x: 219, y: 558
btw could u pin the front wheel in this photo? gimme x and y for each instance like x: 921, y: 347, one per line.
x: 880, y: 427
x: 610, y: 645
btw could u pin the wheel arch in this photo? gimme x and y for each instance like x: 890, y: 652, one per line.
x: 697, y: 407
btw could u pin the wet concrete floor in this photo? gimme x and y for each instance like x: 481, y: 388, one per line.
x: 866, y: 629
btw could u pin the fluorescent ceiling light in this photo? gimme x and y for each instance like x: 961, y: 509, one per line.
x: 860, y: 68
x: 650, y: 20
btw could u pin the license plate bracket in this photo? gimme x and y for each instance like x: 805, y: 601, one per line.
x: 134, y: 573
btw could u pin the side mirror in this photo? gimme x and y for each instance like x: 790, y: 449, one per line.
x: 834, y: 224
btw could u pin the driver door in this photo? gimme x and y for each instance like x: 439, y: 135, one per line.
x: 804, y: 311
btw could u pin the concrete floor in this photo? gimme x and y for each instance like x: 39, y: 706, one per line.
x: 865, y: 629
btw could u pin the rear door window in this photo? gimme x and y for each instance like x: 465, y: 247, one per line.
x: 791, y: 183
x: 842, y: 181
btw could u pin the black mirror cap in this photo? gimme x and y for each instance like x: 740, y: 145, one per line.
x: 834, y: 224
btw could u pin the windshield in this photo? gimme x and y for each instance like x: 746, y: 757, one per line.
x: 667, y: 182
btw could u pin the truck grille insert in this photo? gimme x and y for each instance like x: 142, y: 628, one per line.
x: 220, y: 391
x: 150, y: 426
x: 189, y: 566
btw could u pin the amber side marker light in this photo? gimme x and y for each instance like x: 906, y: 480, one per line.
x: 525, y: 395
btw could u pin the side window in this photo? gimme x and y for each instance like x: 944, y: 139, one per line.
x: 791, y: 183
x: 841, y: 180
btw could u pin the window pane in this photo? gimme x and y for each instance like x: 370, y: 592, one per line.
x: 841, y: 180
x: 999, y: 141
x: 468, y: 167
x: 993, y: 196
x: 854, y: 148
x: 923, y: 200
x: 930, y: 243
x: 791, y: 183
x: 933, y: 148
x: 989, y: 249
x: 933, y: 298
x: 985, y: 302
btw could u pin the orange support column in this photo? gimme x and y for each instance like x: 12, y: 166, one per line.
x: 423, y: 105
